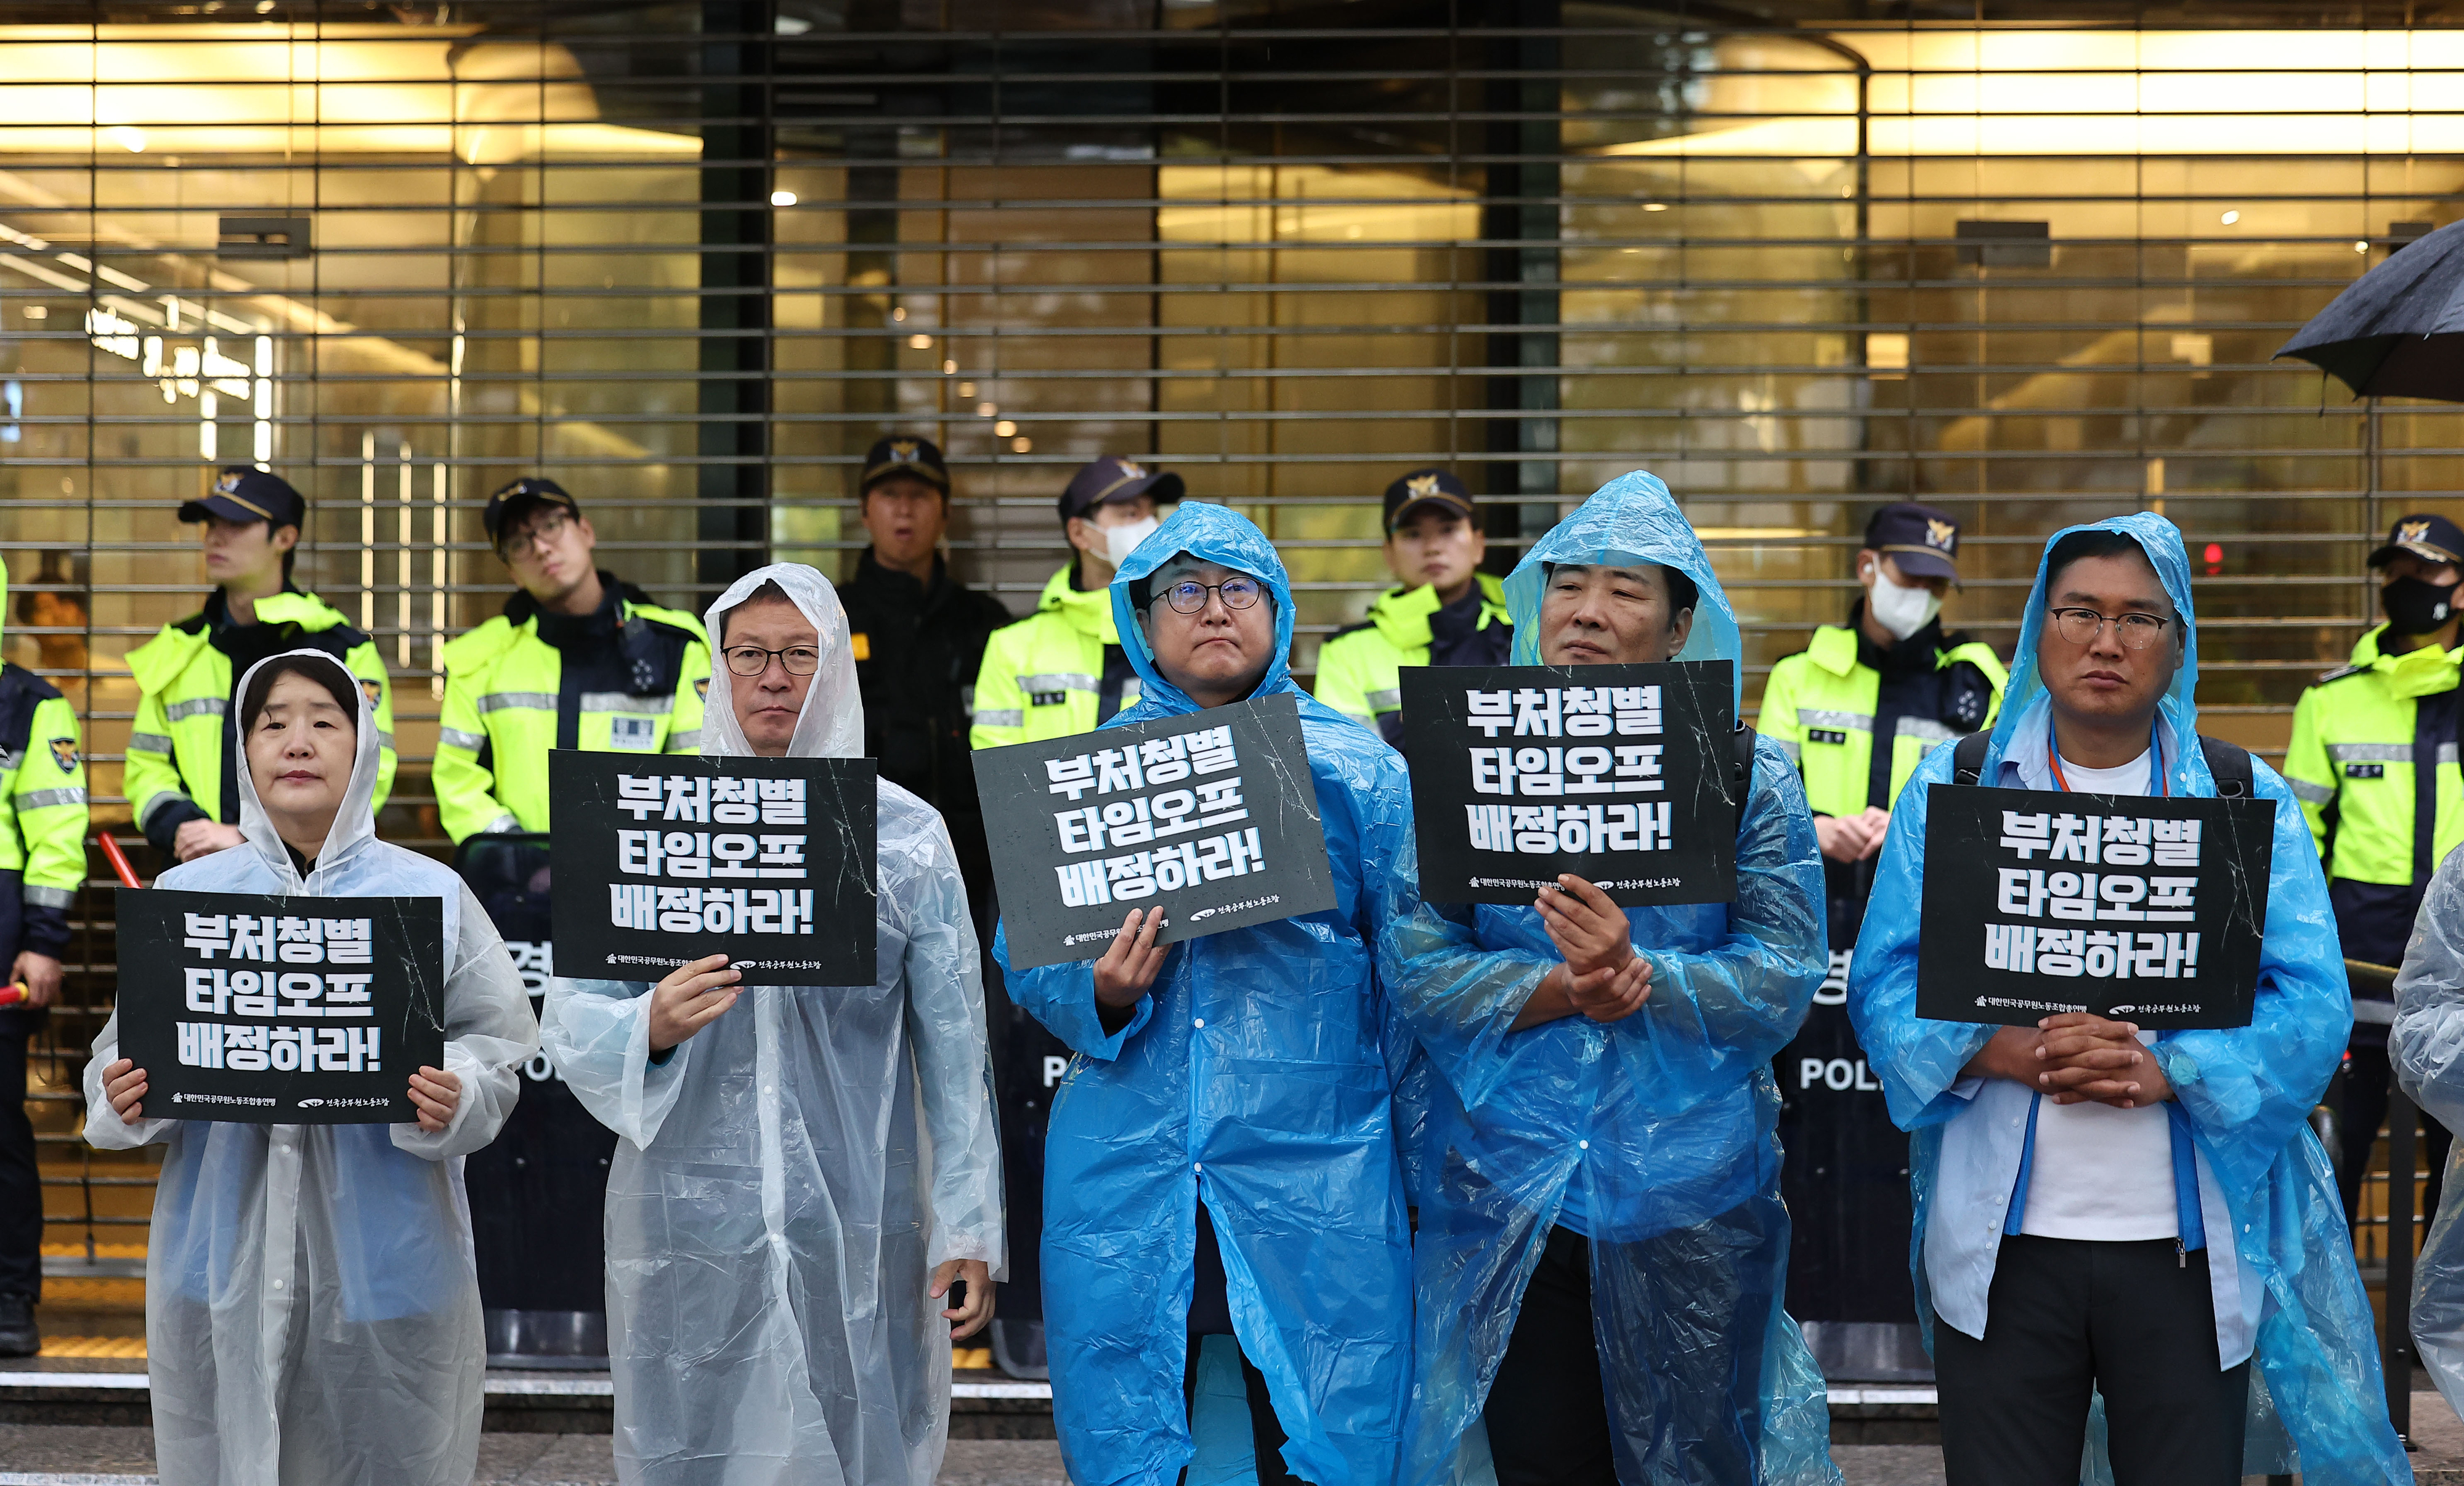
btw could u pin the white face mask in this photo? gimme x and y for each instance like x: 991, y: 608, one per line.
x: 1119, y: 542
x: 1902, y: 611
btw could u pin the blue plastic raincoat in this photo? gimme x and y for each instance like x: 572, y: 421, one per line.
x: 1252, y: 1077
x: 1667, y: 1118
x: 2287, y: 1285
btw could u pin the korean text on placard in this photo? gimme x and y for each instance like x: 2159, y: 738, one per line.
x: 685, y: 858
x: 2070, y: 878
x: 272, y: 1003
x: 1156, y: 796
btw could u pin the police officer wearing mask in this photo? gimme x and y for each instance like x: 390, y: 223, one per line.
x: 920, y: 639
x: 1888, y: 674
x: 2372, y: 760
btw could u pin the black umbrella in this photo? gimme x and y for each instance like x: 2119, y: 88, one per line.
x: 2398, y: 330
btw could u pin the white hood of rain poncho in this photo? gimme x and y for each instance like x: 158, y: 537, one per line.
x: 311, y: 1305
x: 788, y: 1177
x: 1667, y: 1120
x: 2287, y: 1288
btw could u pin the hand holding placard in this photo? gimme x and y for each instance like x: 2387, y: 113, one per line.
x: 692, y: 996
x: 435, y: 1093
x: 1128, y: 966
x: 2091, y: 1059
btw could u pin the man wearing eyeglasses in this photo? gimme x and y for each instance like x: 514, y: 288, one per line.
x: 2372, y: 760
x: 579, y: 659
x: 2101, y: 1210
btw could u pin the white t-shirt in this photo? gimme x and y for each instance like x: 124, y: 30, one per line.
x: 2099, y: 1172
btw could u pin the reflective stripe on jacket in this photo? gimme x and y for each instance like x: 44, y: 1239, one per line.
x: 504, y: 686
x: 1043, y: 676
x: 1820, y: 705
x: 175, y: 748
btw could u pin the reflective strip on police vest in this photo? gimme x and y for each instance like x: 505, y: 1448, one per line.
x: 1791, y: 747
x: 197, y: 707
x: 162, y: 798
x: 48, y: 897
x: 503, y: 826
x: 685, y: 743
x: 998, y: 717
x: 1816, y: 716
x: 385, y: 739
x: 496, y: 701
x: 45, y: 799
x: 2304, y: 789
x: 1926, y: 728
x: 1130, y: 690
x: 2371, y: 753
x: 1384, y: 701
x: 149, y: 743
x: 474, y: 742
x: 630, y: 705
x: 1057, y: 681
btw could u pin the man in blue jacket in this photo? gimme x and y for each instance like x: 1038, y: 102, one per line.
x: 1602, y: 1249
x: 1222, y: 1156
x: 2101, y: 1210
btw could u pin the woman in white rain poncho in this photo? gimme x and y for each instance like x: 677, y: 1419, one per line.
x: 801, y: 1175
x: 312, y: 1307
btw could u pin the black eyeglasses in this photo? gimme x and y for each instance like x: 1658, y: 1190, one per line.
x: 2081, y: 626
x: 541, y: 535
x: 1189, y: 595
x: 753, y: 659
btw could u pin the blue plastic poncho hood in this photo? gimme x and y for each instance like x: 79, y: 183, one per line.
x: 2287, y: 1285
x: 1216, y: 534
x: 1632, y: 519
x: 1252, y: 1079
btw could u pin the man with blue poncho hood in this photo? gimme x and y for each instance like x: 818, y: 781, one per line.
x: 1221, y: 1156
x: 1602, y: 1247
x: 2102, y: 1211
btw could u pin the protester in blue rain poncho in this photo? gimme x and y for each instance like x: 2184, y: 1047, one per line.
x: 311, y: 1305
x: 2057, y: 1225
x: 1222, y: 1154
x: 1602, y: 1247
x: 800, y: 1177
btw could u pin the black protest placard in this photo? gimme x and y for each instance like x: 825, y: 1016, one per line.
x: 1621, y: 775
x: 2144, y: 910
x: 260, y: 1008
x: 1211, y: 816
x: 658, y: 862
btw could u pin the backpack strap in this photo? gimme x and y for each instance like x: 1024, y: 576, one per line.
x: 1741, y: 758
x: 1968, y: 758
x: 2229, y: 763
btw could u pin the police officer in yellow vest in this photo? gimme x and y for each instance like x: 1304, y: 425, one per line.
x: 1447, y: 611
x: 180, y: 779
x: 579, y: 659
x: 1890, y: 672
x: 42, y: 865
x: 1060, y: 670
x: 2374, y: 762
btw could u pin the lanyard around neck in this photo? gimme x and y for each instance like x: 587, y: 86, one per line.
x: 2155, y: 763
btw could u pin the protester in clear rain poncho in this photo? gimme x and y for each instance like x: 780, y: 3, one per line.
x: 2427, y: 1046
x: 799, y: 1178
x: 2278, y: 1283
x: 311, y: 1313
x: 1221, y: 1156
x: 1602, y: 1247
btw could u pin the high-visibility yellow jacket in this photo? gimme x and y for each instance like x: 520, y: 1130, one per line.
x: 1822, y: 704
x: 177, y: 769
x: 1056, y: 672
x: 2358, y: 734
x: 630, y: 679
x: 1359, y: 669
x: 42, y: 811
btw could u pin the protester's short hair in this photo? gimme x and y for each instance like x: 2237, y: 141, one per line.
x: 768, y: 593
x: 325, y: 672
x: 2093, y: 542
x: 1683, y: 593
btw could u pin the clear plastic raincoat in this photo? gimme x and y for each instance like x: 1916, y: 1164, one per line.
x: 1252, y: 1077
x: 311, y: 1305
x: 2287, y: 1285
x: 789, y: 1176
x: 2427, y: 1046
x: 1667, y: 1118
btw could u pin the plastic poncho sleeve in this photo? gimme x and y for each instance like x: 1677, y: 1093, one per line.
x: 2307, y: 768
x: 105, y: 1129
x: 488, y: 1030
x: 1712, y: 1015
x: 598, y: 1035
x: 945, y: 1017
x: 1063, y: 998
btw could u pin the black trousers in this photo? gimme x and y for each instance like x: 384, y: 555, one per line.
x: 2361, y: 1111
x: 1548, y: 1415
x: 1210, y: 1314
x: 21, y: 1187
x: 2067, y: 1315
